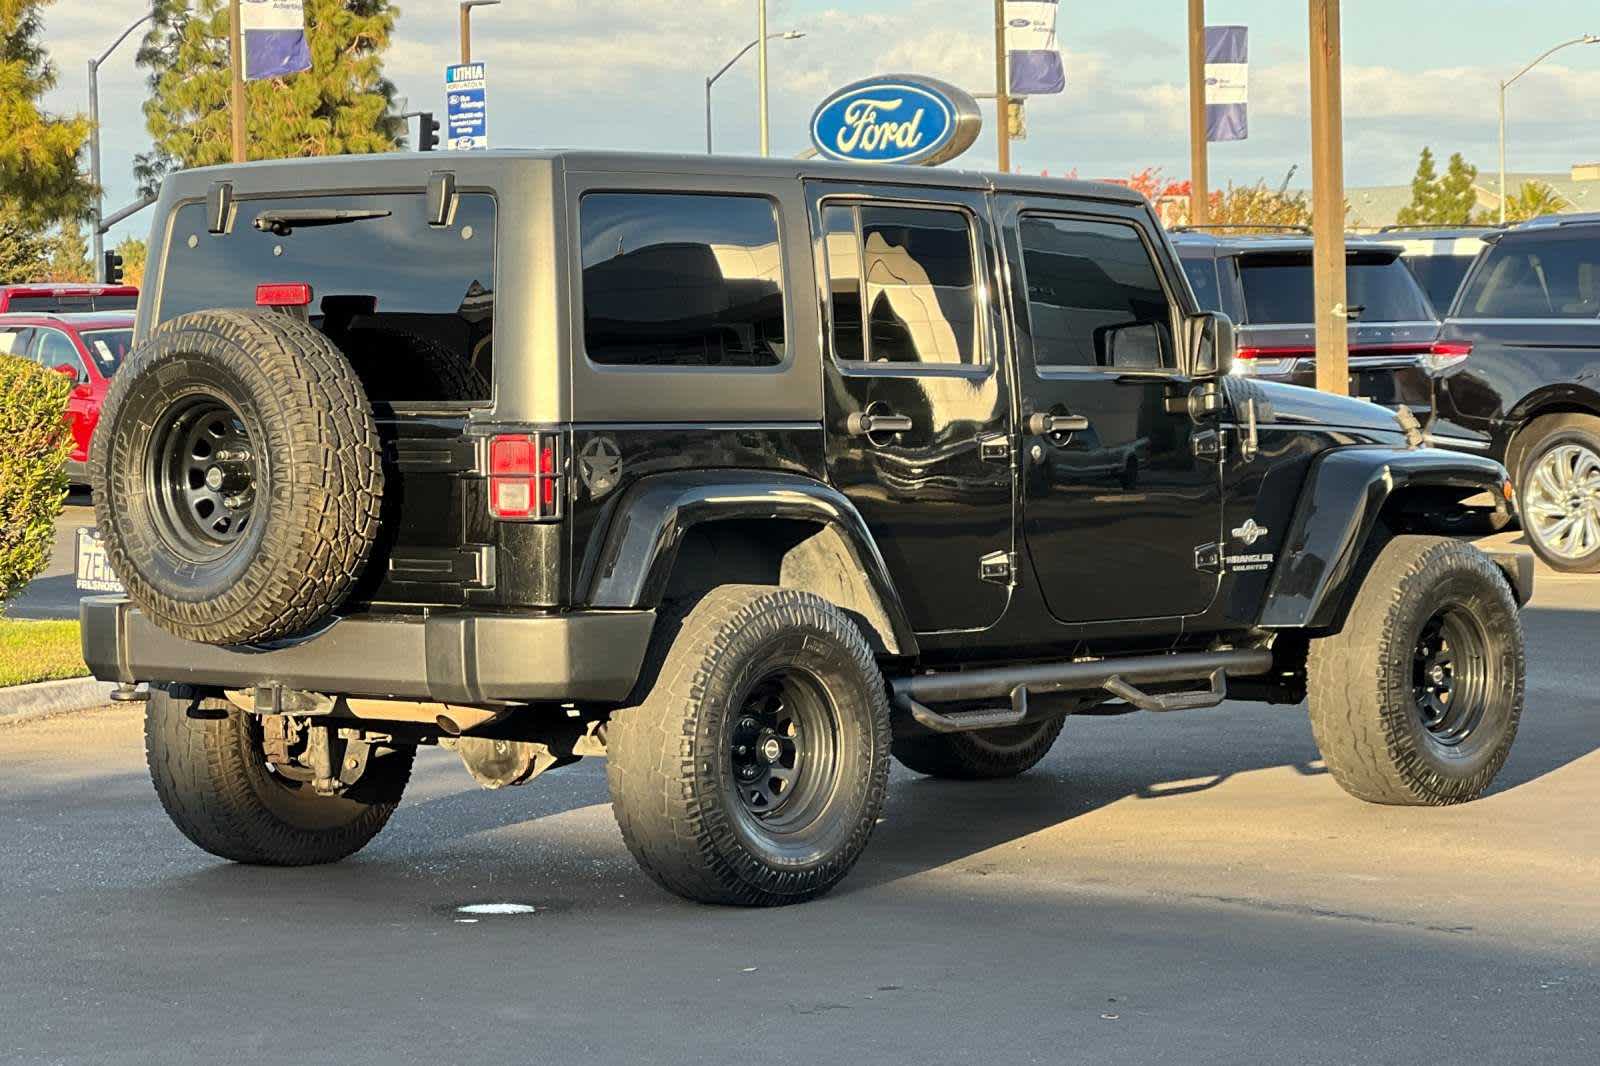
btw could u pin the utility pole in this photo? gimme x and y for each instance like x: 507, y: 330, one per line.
x: 1327, y: 199
x: 236, y: 89
x: 1002, y: 88
x: 1199, y: 165
x: 761, y: 77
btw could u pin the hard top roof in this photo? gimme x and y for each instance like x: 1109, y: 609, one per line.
x: 1228, y: 244
x: 300, y: 174
x: 67, y: 288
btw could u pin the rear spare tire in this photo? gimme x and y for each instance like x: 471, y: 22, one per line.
x: 237, y: 476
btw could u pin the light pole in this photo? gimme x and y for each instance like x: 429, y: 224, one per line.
x: 1588, y: 38
x: 94, y: 144
x: 466, y: 25
x: 787, y: 35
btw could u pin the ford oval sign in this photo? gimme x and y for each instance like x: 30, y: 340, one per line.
x: 896, y: 118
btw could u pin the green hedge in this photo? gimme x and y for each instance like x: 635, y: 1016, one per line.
x: 34, y: 443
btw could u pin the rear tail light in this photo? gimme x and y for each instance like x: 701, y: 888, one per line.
x: 1445, y: 354
x: 1250, y: 360
x: 525, y: 477
x: 289, y: 294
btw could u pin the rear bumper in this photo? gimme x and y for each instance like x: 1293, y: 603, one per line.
x: 448, y: 658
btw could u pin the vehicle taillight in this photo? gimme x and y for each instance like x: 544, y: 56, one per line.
x: 1445, y: 354
x: 289, y: 294
x: 525, y: 477
x: 1250, y: 360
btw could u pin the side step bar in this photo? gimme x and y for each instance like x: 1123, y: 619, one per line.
x: 1120, y: 677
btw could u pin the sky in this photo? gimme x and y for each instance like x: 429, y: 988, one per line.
x: 631, y: 74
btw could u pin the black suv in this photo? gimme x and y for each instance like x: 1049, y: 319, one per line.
x: 744, y: 475
x: 1264, y: 284
x: 1527, y: 390
x: 1438, y: 255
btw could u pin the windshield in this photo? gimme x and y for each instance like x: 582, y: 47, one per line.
x: 1278, y: 291
x: 109, y: 347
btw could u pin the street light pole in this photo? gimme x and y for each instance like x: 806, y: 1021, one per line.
x: 98, y: 240
x: 1588, y: 38
x: 1002, y: 90
x: 787, y: 35
x: 1329, y: 283
x: 761, y: 78
x: 466, y: 25
x: 236, y: 97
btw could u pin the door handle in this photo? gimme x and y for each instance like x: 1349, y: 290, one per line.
x: 1043, y: 425
x: 871, y: 423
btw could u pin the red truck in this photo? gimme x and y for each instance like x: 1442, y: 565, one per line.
x: 48, y: 298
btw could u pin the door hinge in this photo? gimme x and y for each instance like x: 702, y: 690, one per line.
x: 1208, y: 558
x: 1207, y: 444
x: 994, y: 448
x: 999, y: 568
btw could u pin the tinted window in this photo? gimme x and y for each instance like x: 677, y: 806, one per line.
x: 1278, y: 289
x: 1094, y: 296
x: 912, y: 271
x: 1551, y: 277
x: 681, y: 280
x: 1202, y: 274
x: 55, y: 349
x: 1440, y: 276
x: 15, y: 341
x: 109, y: 347
x: 412, y: 305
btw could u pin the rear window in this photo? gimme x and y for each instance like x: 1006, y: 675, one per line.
x: 109, y: 347
x: 1551, y: 277
x: 1278, y: 290
x: 411, y: 304
x: 1440, y: 276
x: 58, y: 304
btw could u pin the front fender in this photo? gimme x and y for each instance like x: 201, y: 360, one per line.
x: 1343, y: 496
x: 649, y: 523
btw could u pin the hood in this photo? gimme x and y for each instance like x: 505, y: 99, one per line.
x: 1284, y: 404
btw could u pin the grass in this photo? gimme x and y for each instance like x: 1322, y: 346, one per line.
x: 39, y: 651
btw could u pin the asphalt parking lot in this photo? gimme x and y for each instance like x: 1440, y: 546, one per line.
x: 1190, y: 887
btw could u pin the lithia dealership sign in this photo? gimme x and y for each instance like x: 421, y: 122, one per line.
x: 896, y: 118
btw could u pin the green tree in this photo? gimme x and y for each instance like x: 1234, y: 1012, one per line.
x: 1448, y: 201
x: 1531, y: 200
x: 38, y: 151
x: 69, y: 255
x: 342, y: 105
x: 24, y: 247
x: 134, y: 253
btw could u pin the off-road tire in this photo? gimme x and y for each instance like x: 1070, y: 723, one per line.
x: 1531, y: 446
x: 981, y: 755
x: 1363, y: 681
x: 669, y: 760
x: 213, y: 779
x: 318, y: 479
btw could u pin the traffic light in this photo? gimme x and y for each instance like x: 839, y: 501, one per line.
x: 427, y: 132
x: 113, y: 267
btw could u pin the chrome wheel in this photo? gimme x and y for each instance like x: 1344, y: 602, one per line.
x: 1561, y: 501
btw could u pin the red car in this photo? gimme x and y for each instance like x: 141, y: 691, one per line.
x: 50, y: 298
x: 87, y: 346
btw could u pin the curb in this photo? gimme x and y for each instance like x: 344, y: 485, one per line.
x: 25, y: 703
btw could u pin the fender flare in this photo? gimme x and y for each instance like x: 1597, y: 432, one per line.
x: 649, y: 522
x: 1344, y: 493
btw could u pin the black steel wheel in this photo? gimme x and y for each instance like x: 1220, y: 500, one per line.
x: 202, y: 469
x: 755, y: 767
x: 1417, y: 699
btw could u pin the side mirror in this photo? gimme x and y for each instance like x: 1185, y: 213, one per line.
x: 1131, y: 347
x: 70, y: 371
x: 1212, y: 345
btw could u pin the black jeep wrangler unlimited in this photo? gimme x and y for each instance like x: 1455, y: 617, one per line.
x: 744, y: 475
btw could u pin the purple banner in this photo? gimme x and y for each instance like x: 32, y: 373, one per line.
x: 1036, y: 67
x: 1227, y: 83
x: 274, y: 38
